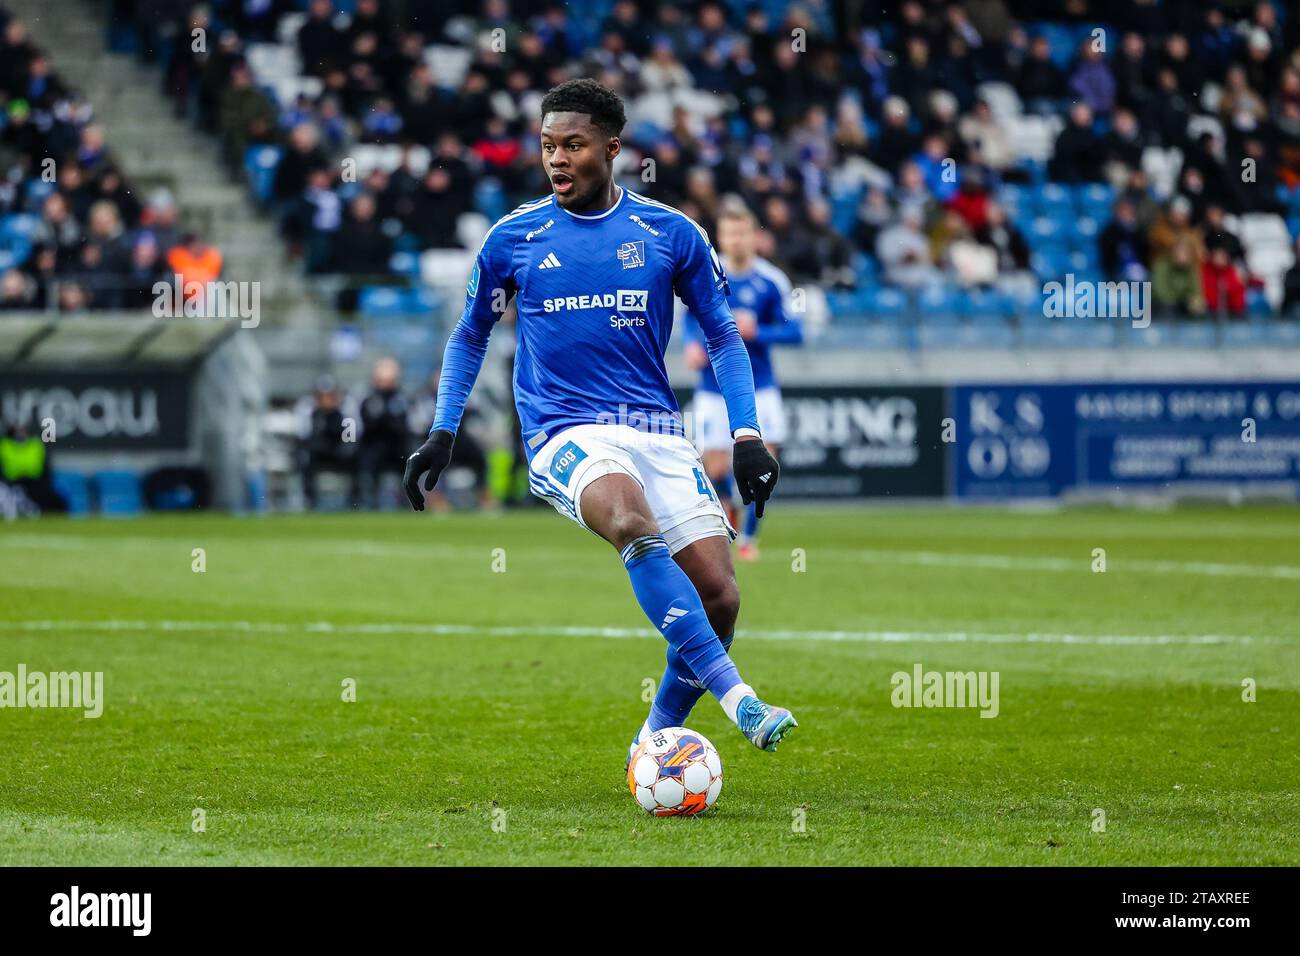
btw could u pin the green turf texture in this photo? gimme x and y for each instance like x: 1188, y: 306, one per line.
x: 448, y: 730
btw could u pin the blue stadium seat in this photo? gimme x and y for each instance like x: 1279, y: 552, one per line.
x: 381, y: 300
x: 1094, y: 200
x: 982, y: 304
x: 941, y: 305
x: 490, y: 199
x: 1085, y: 230
x: 1049, y: 228
x: 75, y: 491
x: 22, y: 224
x: 1020, y: 203
x: 118, y: 493
x: 1056, y: 200
x: 36, y: 191
x: 866, y: 268
x: 844, y: 210
x: 884, y: 301
x: 1051, y: 261
x: 1061, y: 40
x: 1257, y: 303
x: 404, y: 264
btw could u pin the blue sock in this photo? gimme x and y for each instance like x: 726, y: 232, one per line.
x: 724, y: 487
x: 751, y: 523
x: 679, y: 691
x: 672, y: 604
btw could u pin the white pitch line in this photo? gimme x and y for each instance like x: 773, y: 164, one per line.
x: 1003, y: 562
x: 370, y: 548
x: 868, y: 637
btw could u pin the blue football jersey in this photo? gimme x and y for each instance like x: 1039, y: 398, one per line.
x: 765, y: 291
x: 594, y: 302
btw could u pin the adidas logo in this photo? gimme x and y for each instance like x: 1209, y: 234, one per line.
x: 550, y: 262
x: 673, y: 614
x: 765, y: 478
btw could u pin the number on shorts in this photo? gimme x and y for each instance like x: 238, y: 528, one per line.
x: 703, y: 486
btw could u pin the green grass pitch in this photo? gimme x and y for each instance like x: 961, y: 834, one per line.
x: 482, y: 690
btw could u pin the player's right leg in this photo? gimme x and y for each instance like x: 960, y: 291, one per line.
x: 615, y: 507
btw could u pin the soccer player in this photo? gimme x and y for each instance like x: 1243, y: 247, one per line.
x: 759, y: 295
x: 592, y: 268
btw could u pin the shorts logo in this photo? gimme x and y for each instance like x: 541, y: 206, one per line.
x: 633, y: 300
x: 566, y: 459
x: 632, y: 254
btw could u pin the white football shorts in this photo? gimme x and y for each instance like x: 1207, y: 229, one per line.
x: 713, y: 428
x: 667, y: 467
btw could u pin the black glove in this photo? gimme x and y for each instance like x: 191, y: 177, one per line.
x: 756, y: 472
x: 432, y: 457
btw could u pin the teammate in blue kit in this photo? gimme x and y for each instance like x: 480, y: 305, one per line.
x: 759, y: 299
x: 592, y: 269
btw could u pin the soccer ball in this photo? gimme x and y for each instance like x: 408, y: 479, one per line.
x: 675, y: 772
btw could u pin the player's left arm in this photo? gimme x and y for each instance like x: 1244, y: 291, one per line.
x: 785, y: 328
x: 701, y: 283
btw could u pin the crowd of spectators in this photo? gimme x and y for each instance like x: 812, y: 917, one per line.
x: 74, y: 234
x: 365, y: 437
x: 793, y: 107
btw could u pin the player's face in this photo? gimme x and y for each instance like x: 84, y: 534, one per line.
x: 736, y: 239
x: 578, y: 159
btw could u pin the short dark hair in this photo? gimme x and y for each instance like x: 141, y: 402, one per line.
x: 587, y: 96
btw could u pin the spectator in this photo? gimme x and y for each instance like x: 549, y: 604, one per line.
x: 1121, y: 147
x: 17, y: 291
x: 905, y: 254
x: 1222, y: 285
x: 1075, y: 156
x: 1173, y: 227
x: 25, y: 465
x: 1008, y: 243
x: 436, y: 209
x: 327, y: 443
x: 1040, y: 82
x: 302, y: 155
x: 1123, y: 246
x: 385, y: 441
x: 1092, y: 80
x: 1291, y: 287
x: 985, y: 138
x: 246, y: 116
x: 821, y: 253
x: 1176, y: 283
x: 367, y: 249
x: 1219, y: 236
x: 194, y: 261
x: 320, y: 41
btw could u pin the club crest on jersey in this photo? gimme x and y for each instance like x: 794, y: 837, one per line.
x: 632, y: 254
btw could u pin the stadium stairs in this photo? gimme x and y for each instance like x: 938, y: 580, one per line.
x: 155, y: 149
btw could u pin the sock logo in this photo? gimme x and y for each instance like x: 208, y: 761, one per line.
x: 673, y: 614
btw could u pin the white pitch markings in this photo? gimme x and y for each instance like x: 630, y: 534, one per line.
x: 364, y: 547
x: 868, y: 637
x: 1017, y: 563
